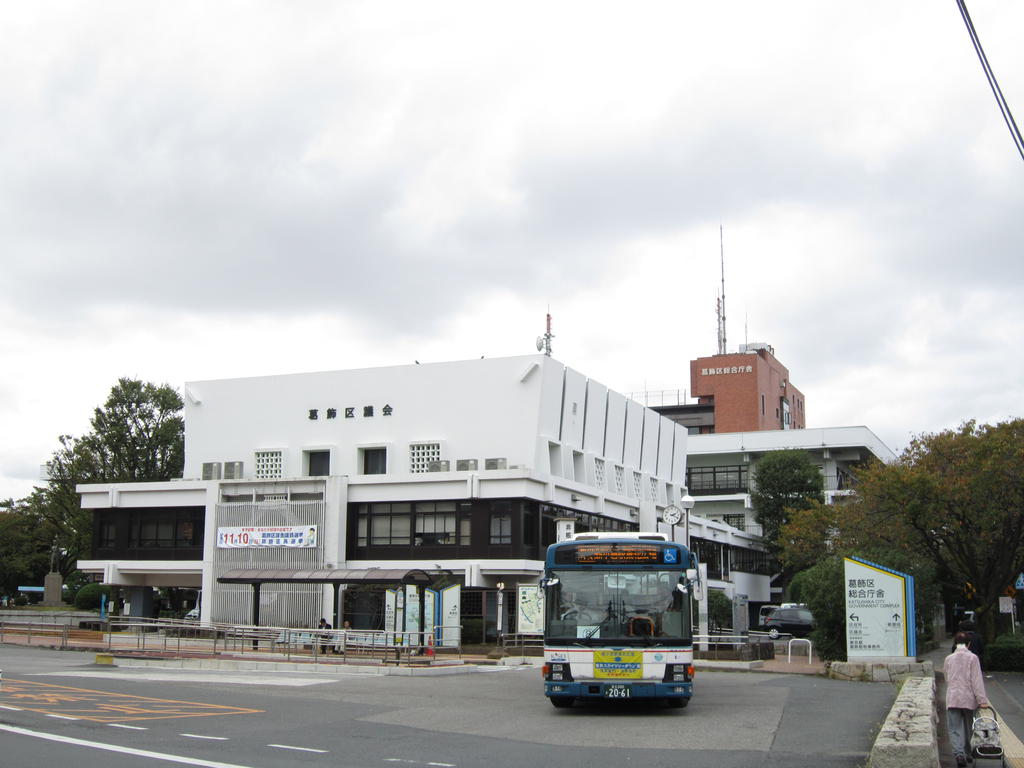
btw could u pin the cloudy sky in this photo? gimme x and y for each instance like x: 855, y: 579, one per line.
x: 205, y: 190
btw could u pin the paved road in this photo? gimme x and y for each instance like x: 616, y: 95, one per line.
x: 496, y: 718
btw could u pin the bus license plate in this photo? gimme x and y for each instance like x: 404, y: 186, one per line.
x: 616, y: 691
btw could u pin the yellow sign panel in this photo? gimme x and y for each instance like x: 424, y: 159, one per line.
x: 618, y: 664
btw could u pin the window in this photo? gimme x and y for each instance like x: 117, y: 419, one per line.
x: 620, y: 480
x: 501, y: 529
x: 375, y: 461
x: 421, y: 454
x: 637, y: 487
x: 388, y: 523
x: 435, y: 523
x: 269, y: 464
x: 107, y: 534
x: 599, y: 473
x: 319, y: 463
x: 501, y: 522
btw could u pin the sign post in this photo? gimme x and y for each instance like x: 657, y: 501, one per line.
x: 880, y: 622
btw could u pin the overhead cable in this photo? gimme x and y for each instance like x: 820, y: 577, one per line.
x: 1004, y: 108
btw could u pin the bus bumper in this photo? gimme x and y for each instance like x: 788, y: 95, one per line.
x: 603, y: 690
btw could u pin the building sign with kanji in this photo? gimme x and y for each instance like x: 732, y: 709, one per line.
x: 879, y: 611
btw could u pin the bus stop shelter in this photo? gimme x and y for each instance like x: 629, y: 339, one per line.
x: 336, y: 577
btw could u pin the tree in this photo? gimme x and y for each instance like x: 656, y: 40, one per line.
x: 23, y: 553
x: 783, y: 481
x: 957, y: 496
x: 137, y: 435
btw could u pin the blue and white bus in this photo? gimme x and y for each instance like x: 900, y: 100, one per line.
x: 617, y: 619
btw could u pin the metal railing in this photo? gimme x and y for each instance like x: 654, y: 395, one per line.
x: 176, y: 638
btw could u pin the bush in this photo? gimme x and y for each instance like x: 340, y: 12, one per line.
x: 21, y: 600
x: 719, y: 610
x: 89, y: 596
x: 1005, y: 653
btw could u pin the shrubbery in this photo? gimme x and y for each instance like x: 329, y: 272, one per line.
x: 1005, y: 653
x: 89, y: 596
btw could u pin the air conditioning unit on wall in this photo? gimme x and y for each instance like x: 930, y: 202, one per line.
x: 233, y: 470
x: 211, y: 470
x: 465, y: 465
x: 439, y: 466
x: 501, y: 463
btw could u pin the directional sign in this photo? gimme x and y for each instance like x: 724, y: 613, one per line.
x: 879, y: 610
x: 1019, y: 584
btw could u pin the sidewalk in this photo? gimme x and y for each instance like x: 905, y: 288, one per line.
x: 1013, y: 749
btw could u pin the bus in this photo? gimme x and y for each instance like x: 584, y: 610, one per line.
x: 617, y: 619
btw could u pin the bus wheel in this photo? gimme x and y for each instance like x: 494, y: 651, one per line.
x: 677, y: 703
x: 561, y: 702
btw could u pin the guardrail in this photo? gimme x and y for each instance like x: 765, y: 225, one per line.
x: 177, y: 638
x: 742, y: 647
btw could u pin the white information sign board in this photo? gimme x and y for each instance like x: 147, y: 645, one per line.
x: 451, y: 615
x: 412, y: 610
x: 530, y: 613
x: 879, y: 612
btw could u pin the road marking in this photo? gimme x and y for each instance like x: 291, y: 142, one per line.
x: 130, y: 727
x: 199, y: 736
x: 298, y: 749
x: 121, y: 750
x: 13, y: 709
x: 417, y: 762
x: 62, y: 717
x: 139, y: 674
x: 105, y: 707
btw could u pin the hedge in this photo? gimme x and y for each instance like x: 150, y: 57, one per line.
x: 1005, y: 653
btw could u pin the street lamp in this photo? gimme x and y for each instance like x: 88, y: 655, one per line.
x: 687, y: 503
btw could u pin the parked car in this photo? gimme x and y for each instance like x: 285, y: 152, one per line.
x: 797, y: 622
x: 763, y: 613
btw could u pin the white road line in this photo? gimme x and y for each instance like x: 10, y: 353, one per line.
x: 121, y: 750
x: 417, y: 762
x: 298, y: 749
x: 13, y: 709
x: 130, y: 727
x: 63, y: 717
x: 199, y: 736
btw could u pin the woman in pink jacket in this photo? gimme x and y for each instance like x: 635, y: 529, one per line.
x: 965, y: 692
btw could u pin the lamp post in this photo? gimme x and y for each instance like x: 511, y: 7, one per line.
x: 688, y: 504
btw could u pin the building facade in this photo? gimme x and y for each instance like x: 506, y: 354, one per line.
x: 457, y: 468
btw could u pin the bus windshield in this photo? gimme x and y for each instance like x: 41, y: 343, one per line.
x: 625, y: 608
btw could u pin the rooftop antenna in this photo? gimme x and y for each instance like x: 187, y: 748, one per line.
x: 544, y: 342
x: 721, y: 300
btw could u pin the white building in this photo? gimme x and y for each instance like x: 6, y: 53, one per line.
x: 458, y: 468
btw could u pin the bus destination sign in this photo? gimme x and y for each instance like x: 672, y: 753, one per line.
x: 617, y: 554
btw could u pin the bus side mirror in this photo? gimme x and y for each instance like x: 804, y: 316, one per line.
x: 552, y: 582
x: 691, y: 574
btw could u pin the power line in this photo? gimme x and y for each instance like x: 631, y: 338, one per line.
x: 1004, y: 108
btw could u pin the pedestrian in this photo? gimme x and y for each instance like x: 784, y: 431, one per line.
x: 965, y: 692
x: 975, y: 642
x: 325, y: 637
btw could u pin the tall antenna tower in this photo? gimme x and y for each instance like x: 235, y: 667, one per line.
x: 721, y: 298
x: 544, y: 342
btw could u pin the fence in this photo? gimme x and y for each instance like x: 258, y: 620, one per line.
x: 174, y: 638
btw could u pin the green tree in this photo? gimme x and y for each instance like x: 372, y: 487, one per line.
x: 783, y: 481
x: 957, y: 496
x: 24, y: 555
x: 137, y: 435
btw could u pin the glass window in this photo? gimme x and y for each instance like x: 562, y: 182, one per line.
x: 635, y: 608
x: 501, y: 529
x: 319, y: 463
x: 375, y: 461
x: 435, y: 523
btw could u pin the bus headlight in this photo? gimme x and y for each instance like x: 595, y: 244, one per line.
x: 677, y: 673
x: 559, y: 671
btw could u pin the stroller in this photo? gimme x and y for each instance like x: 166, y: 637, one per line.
x: 986, y: 747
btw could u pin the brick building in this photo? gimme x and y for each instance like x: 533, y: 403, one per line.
x: 745, y: 391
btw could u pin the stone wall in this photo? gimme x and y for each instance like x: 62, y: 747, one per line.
x: 879, y: 672
x: 909, y: 736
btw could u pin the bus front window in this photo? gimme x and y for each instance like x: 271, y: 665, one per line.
x: 631, y: 607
